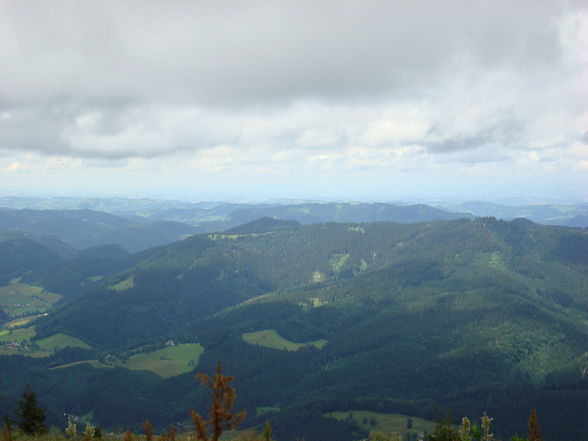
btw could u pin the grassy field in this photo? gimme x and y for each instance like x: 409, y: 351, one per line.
x: 21, y: 299
x: 388, y: 423
x: 266, y: 409
x: 18, y: 335
x: 337, y: 261
x: 269, y: 338
x: 45, y: 345
x: 34, y: 354
x: 22, y: 336
x: 124, y: 285
x: 167, y: 362
x: 59, y: 341
x: 94, y: 363
x: 21, y: 321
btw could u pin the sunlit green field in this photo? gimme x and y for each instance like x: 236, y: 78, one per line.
x: 336, y: 261
x: 269, y: 338
x: 45, y: 346
x: 167, y: 362
x: 21, y: 336
x: 34, y: 354
x: 124, y: 285
x: 59, y: 341
x: 21, y: 321
x: 18, y: 335
x: 21, y: 299
x: 94, y: 363
x: 261, y: 410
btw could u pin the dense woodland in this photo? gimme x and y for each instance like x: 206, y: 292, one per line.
x: 472, y: 315
x: 222, y: 420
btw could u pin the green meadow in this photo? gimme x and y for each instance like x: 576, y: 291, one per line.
x: 20, y: 299
x: 262, y: 410
x: 269, y: 338
x: 124, y: 285
x: 17, y: 335
x: 336, y: 261
x: 33, y: 354
x: 94, y: 363
x: 167, y: 362
x: 39, y: 348
x: 22, y: 336
x: 21, y: 321
x: 60, y: 341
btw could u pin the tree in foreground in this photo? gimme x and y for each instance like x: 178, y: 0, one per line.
x: 6, y: 435
x: 535, y: 433
x: 444, y: 430
x: 222, y: 397
x: 148, y: 429
x: 31, y: 415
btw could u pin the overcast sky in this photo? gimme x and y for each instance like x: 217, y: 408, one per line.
x: 295, y: 98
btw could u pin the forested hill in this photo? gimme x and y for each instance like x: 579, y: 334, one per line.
x: 88, y: 228
x: 314, y: 319
x: 346, y: 212
x: 214, y: 215
x: 136, y: 230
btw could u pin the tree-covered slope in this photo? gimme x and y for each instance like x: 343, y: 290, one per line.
x: 472, y: 315
x: 345, y: 212
x: 18, y: 256
x: 88, y: 228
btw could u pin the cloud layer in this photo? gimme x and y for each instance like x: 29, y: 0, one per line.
x: 330, y: 87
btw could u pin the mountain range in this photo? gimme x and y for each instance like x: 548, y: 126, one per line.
x: 214, y: 215
x: 471, y: 314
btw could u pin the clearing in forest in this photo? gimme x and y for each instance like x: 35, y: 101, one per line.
x: 167, y: 362
x: 270, y: 338
x: 60, y: 341
x: 19, y: 299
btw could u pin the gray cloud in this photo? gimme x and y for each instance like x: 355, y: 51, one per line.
x: 144, y: 79
x: 241, y: 53
x: 505, y: 133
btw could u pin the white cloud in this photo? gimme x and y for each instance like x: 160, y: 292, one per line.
x: 291, y: 87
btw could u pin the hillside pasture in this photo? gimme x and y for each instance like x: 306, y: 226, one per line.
x: 15, y: 351
x: 167, y: 362
x: 45, y: 346
x: 18, y: 335
x: 270, y: 338
x: 21, y: 321
x: 17, y: 342
x: 337, y: 261
x: 262, y: 410
x: 94, y: 363
x: 20, y: 299
x: 128, y: 283
x: 60, y: 341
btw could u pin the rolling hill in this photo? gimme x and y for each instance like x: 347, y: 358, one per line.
x: 388, y: 318
x: 88, y: 228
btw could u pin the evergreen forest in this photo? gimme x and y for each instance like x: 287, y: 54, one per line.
x: 337, y: 329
